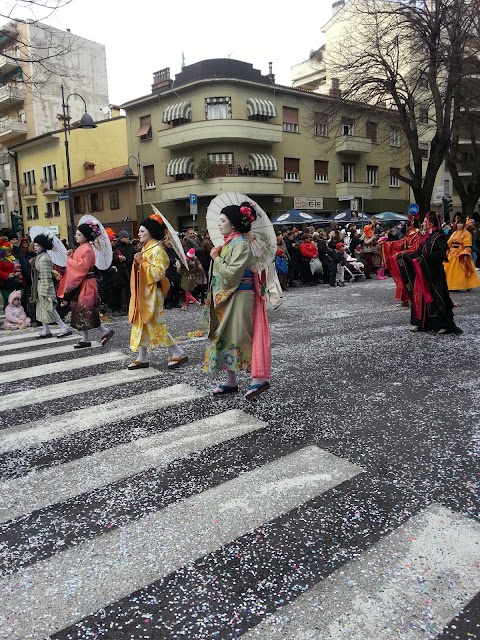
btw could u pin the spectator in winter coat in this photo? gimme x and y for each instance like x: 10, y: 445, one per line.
x: 281, y: 266
x: 292, y: 245
x: 326, y: 258
x: 340, y: 261
x: 308, y: 250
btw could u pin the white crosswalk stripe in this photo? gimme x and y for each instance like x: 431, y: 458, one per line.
x: 28, y: 344
x: 27, y: 334
x: 43, y: 353
x: 59, y: 367
x: 401, y: 586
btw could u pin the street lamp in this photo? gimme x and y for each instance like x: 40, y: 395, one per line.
x: 86, y: 122
x: 129, y: 173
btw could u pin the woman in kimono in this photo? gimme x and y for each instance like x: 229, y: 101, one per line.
x: 43, y: 289
x: 149, y: 286
x: 426, y: 283
x: 79, y: 287
x: 459, y: 266
x: 237, y: 324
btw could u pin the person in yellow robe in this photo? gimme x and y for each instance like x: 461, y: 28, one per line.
x: 149, y: 328
x: 459, y: 267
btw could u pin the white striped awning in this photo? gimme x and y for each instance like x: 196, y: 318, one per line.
x: 178, y: 111
x: 226, y: 158
x: 258, y: 107
x: 180, y: 166
x: 262, y: 162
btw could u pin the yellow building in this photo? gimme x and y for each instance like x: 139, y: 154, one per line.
x: 283, y: 147
x: 98, y: 158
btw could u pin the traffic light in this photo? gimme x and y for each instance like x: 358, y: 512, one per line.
x: 17, y: 222
x: 447, y: 207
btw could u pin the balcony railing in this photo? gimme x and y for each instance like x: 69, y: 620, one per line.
x: 28, y: 190
x: 12, y: 93
x: 11, y: 128
x: 48, y: 186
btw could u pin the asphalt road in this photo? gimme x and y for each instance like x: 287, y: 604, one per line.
x: 343, y: 504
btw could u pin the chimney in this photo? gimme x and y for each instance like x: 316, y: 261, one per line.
x: 335, y: 91
x: 161, y: 80
x: 336, y: 6
x: 89, y: 168
x: 271, y: 75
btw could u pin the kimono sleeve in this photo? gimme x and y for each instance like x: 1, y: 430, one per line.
x: 232, y: 265
x: 154, y: 265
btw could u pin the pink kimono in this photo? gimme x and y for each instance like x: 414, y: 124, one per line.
x: 79, y: 287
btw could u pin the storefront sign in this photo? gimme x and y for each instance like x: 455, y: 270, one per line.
x: 304, y: 202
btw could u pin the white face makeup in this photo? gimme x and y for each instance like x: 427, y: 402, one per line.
x: 225, y: 226
x: 79, y: 237
x: 144, y: 235
x: 37, y: 248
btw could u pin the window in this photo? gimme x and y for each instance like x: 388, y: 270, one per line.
x: 423, y: 116
x: 21, y: 116
x: 114, y: 201
x: 290, y: 120
x: 28, y: 186
x: 49, y: 180
x: 145, y: 130
x: 394, y: 137
x: 424, y: 149
x: 320, y: 126
x: 292, y: 169
x: 149, y: 176
x: 394, y: 180
x: 372, y: 131
x: 346, y: 128
x: 32, y: 212
x: 372, y: 175
x: 224, y: 164
x: 96, y: 202
x: 53, y: 209
x: 348, y: 172
x: 218, y: 108
x: 320, y: 170
x: 79, y: 204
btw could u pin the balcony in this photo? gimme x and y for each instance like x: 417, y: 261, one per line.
x: 28, y: 191
x: 207, y: 131
x: 244, y: 184
x: 352, y: 145
x: 11, y: 94
x: 351, y: 190
x: 10, y: 129
x: 8, y: 63
x: 49, y: 187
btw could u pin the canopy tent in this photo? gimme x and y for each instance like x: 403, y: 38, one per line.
x: 294, y: 216
x: 346, y: 216
x: 390, y: 216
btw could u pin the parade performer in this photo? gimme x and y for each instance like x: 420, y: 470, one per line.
x: 236, y: 314
x: 459, y: 266
x: 43, y: 289
x: 391, y: 249
x: 15, y: 316
x: 426, y: 283
x: 79, y: 287
x: 149, y: 286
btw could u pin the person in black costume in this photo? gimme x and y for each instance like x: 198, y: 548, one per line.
x: 426, y: 283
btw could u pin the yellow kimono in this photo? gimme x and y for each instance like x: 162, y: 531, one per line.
x: 459, y: 267
x: 146, y: 303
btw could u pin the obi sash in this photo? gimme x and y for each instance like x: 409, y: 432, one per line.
x: 246, y: 283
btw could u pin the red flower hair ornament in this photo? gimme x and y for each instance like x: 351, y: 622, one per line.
x: 247, y: 213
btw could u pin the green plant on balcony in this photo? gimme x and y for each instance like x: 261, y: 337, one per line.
x: 205, y: 169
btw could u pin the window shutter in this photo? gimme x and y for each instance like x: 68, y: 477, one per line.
x: 292, y: 165
x: 372, y: 131
x: 290, y: 115
x: 321, y: 167
x: 100, y: 201
x: 145, y: 126
x: 149, y: 174
x: 89, y: 202
x: 320, y: 118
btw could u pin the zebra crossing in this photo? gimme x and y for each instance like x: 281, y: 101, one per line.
x: 123, y: 518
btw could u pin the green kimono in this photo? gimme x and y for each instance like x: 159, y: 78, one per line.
x: 229, y: 309
x: 43, y: 289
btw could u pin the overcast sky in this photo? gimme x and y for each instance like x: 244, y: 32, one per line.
x: 144, y: 36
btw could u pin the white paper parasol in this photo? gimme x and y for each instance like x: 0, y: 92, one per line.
x: 261, y: 238
x: 101, y: 246
x: 58, y: 254
x: 174, y: 239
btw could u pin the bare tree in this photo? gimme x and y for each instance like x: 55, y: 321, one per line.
x: 410, y: 55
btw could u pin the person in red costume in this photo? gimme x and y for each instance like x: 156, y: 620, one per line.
x: 392, y: 249
x: 308, y: 250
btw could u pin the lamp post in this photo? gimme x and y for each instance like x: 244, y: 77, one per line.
x: 129, y: 173
x: 86, y: 122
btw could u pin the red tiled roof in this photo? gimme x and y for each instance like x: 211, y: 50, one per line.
x: 117, y: 173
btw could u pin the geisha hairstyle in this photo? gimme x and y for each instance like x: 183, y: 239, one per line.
x: 44, y: 241
x: 242, y: 217
x: 155, y: 226
x: 88, y: 231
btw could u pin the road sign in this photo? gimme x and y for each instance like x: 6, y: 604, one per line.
x: 346, y: 198
x: 413, y: 209
x: 437, y: 195
x: 194, y: 210
x: 63, y: 196
x: 193, y: 199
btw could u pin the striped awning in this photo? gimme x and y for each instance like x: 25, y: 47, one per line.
x: 226, y: 158
x: 262, y: 162
x: 180, y: 166
x: 258, y: 107
x: 178, y: 111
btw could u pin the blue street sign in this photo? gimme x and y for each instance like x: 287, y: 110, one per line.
x: 193, y: 198
x: 63, y: 196
x: 413, y: 209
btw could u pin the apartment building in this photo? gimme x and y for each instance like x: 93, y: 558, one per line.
x: 221, y: 125
x: 34, y: 61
